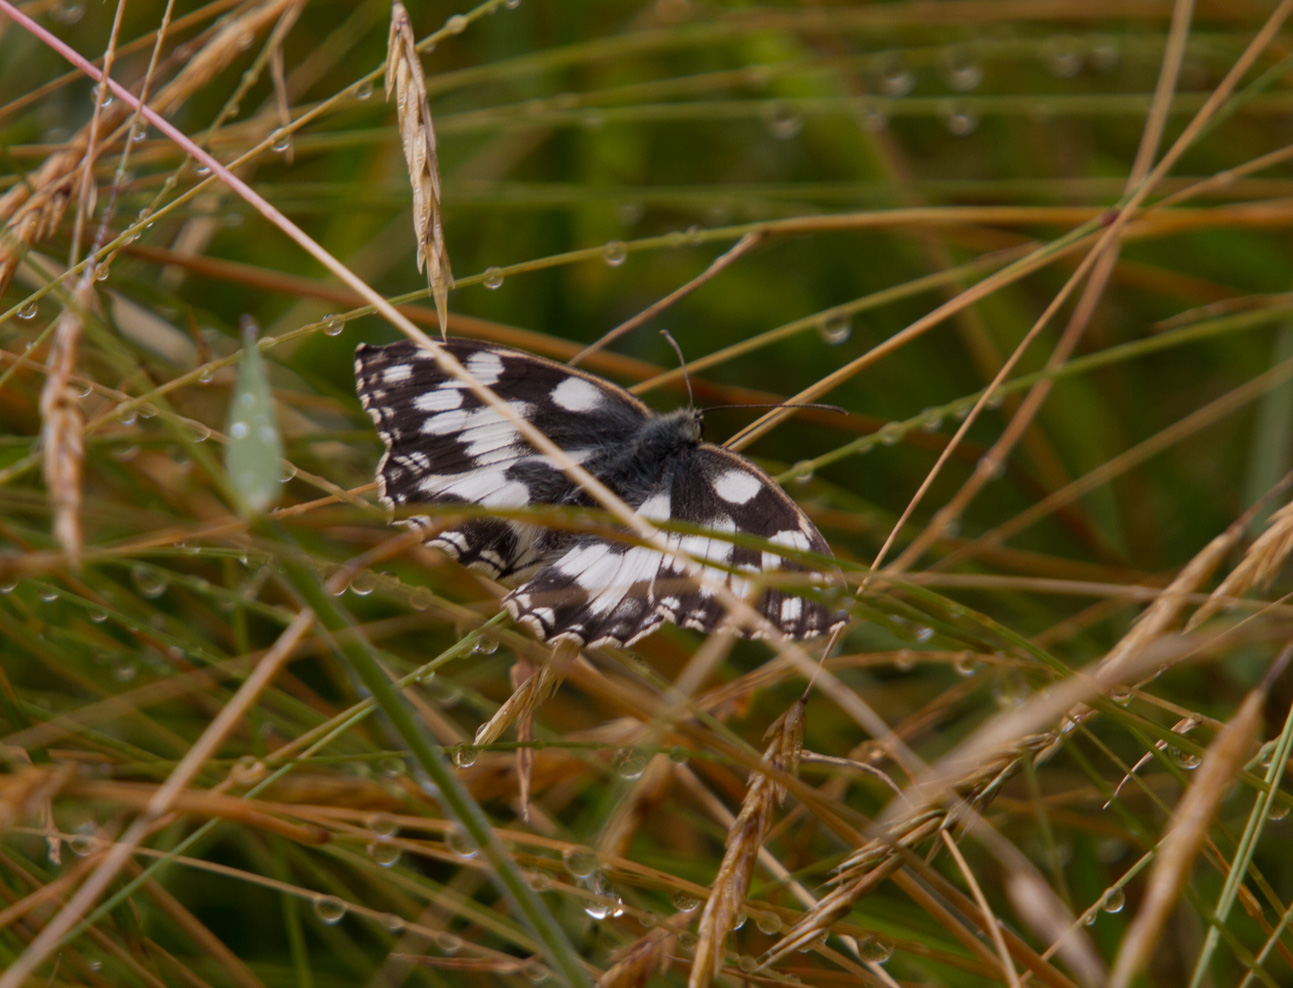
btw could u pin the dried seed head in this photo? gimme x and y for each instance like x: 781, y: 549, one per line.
x: 404, y: 78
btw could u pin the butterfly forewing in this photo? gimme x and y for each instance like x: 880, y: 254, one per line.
x: 443, y: 445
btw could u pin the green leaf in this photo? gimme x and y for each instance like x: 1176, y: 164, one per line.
x: 254, y: 454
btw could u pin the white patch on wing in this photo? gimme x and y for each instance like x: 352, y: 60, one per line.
x: 791, y: 539
x: 396, y: 373
x: 634, y: 566
x: 574, y: 394
x: 485, y: 366
x: 488, y: 487
x: 442, y: 399
x: 791, y: 609
x: 658, y: 507
x: 737, y: 486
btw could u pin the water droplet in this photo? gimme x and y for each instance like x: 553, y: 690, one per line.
x: 383, y: 852
x: 98, y: 616
x: 28, y: 311
x: 931, y: 420
x: 874, y: 119
x: 103, y: 95
x: 124, y: 671
x: 493, y: 279
x: 203, y: 170
x: 7, y: 586
x: 896, y: 79
x: 1278, y: 812
x: 382, y: 825
x: 683, y: 902
x: 48, y: 595
x: 392, y: 923
x: 923, y: 634
x: 876, y: 951
x: 1187, y: 760
x: 960, y: 120
x: 768, y: 922
x: 138, y: 134
x: 148, y: 581
x: 392, y: 768
x: 802, y: 472
x: 101, y: 272
x: 1089, y: 919
x: 448, y: 943
x: 534, y: 972
x: 889, y: 434
x: 615, y: 253
x: 630, y: 763
x: 1063, y: 58
x: 579, y: 861
x: 966, y: 664
x: 459, y: 841
x: 238, y: 430
x: 963, y: 72
x: 364, y: 91
x: 69, y: 11
x: 835, y: 329
x: 363, y: 583
x: 1114, y: 901
x: 333, y: 325
x: 464, y: 756
x: 485, y: 646
x: 329, y: 909
x: 83, y: 841
x: 782, y: 120
x: 206, y: 375
x: 456, y: 24
x: 679, y: 755
x: 420, y: 598
x: 511, y: 4
x: 282, y: 142
x: 687, y: 941
x: 693, y: 234
x: 1104, y: 57
x: 597, y: 908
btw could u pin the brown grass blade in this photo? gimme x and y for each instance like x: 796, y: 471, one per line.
x: 645, y: 956
x: 62, y: 431
x: 1258, y: 567
x: 746, y: 836
x: 404, y: 77
x: 1183, y: 841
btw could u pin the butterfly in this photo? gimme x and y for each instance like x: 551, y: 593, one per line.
x: 444, y: 446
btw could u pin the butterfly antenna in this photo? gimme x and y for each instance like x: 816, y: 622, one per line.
x: 783, y: 404
x: 682, y: 365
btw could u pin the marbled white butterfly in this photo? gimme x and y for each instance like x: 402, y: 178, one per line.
x: 444, y: 446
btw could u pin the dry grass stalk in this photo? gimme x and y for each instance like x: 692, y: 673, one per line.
x: 32, y: 209
x: 526, y: 698
x: 404, y: 77
x: 645, y: 956
x: 744, y: 839
x: 62, y: 430
x: 1258, y: 567
x: 1183, y: 841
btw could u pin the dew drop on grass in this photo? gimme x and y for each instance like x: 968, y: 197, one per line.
x: 392, y: 923
x: 896, y: 79
x: 963, y: 72
x: 329, y: 909
x: 1114, y: 901
x: 460, y: 843
x: 876, y: 951
x: 835, y: 330
x: 768, y: 922
x: 383, y: 852
x: 363, y: 583
x: 382, y: 825
x: 485, y: 646
x: 1187, y: 760
x: 782, y: 120
x: 148, y: 581
x: 333, y: 325
x: 683, y: 902
x: 420, y: 598
x: 456, y: 24
x: 364, y: 91
x: 448, y: 943
x: 802, y: 472
x: 630, y: 763
x: 615, y: 253
x: 1278, y: 812
x: 493, y: 278
x: 464, y: 756
x: 579, y: 861
x: 28, y: 311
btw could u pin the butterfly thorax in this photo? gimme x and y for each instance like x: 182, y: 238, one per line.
x: 633, y: 467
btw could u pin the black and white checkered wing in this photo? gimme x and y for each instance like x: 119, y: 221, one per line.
x: 607, y: 592
x: 443, y: 445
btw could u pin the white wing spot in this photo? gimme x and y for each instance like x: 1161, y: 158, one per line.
x: 657, y: 507
x: 486, y: 367
x: 574, y: 394
x: 396, y: 373
x: 791, y: 608
x: 439, y: 400
x: 737, y: 486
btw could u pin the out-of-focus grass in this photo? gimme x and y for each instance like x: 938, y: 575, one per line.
x: 898, y: 158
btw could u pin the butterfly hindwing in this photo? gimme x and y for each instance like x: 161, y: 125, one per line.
x: 606, y: 592
x: 444, y: 446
